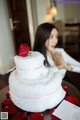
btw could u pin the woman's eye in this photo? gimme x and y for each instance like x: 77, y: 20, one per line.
x: 51, y: 37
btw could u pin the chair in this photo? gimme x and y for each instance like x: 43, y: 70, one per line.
x: 61, y: 28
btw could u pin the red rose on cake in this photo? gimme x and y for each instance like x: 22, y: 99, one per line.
x: 23, y: 50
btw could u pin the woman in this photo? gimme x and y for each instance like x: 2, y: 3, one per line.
x: 46, y: 40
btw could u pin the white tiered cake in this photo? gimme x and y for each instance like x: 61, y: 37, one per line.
x: 34, y: 87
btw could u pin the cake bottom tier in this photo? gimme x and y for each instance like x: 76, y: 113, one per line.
x: 36, y: 96
x: 39, y: 104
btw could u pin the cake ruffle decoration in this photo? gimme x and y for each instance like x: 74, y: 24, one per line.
x: 23, y: 50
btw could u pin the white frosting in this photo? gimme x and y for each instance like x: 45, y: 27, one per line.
x: 38, y: 95
x: 34, y: 87
x: 31, y: 66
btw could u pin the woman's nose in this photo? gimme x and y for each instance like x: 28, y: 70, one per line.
x: 54, y: 40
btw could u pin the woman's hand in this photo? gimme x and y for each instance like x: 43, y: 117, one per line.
x: 59, y: 60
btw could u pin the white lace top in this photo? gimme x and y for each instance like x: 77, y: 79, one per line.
x: 68, y: 60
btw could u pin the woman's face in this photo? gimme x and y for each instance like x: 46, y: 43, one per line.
x: 52, y: 41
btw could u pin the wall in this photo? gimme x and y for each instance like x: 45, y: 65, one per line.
x: 6, y: 43
x: 60, y: 12
x: 42, y: 6
x: 68, y: 11
x: 72, y: 11
x: 65, y: 11
x: 37, y: 10
x: 30, y: 21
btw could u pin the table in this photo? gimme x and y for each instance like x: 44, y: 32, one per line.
x: 72, y: 91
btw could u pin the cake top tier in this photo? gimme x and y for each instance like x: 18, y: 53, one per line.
x: 34, y: 60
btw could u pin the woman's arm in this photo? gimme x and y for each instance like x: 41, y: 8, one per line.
x: 71, y: 63
x: 64, y: 61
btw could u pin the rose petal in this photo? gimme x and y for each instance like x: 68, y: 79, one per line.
x: 65, y: 87
x: 11, y: 109
x: 37, y: 116
x: 20, y: 115
x: 6, y: 103
x: 8, y: 94
x: 72, y: 99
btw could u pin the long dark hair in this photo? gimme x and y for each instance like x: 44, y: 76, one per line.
x: 42, y: 34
